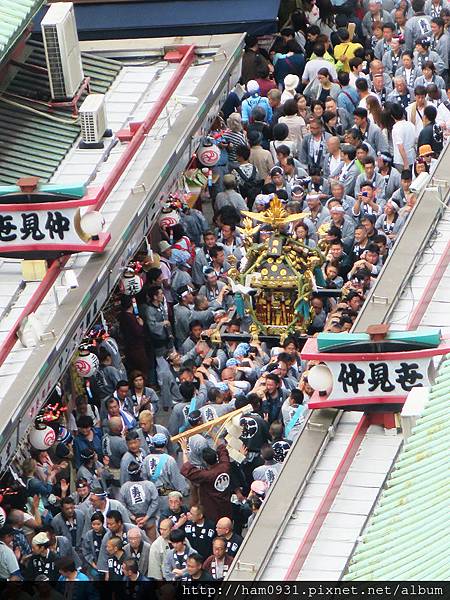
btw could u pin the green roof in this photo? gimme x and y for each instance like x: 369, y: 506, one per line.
x: 407, y: 537
x: 14, y: 17
x: 34, y: 138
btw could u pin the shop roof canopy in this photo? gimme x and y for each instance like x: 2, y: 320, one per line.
x: 179, y: 18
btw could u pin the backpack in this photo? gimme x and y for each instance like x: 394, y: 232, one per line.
x: 251, y: 185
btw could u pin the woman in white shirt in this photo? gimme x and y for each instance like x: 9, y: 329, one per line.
x: 291, y: 83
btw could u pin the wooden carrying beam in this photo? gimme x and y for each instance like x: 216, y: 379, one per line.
x: 214, y: 423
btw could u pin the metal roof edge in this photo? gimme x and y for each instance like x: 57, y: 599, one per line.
x: 405, y: 530
x: 20, y: 29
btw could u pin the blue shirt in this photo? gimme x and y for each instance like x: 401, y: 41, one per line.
x: 344, y: 101
x: 80, y: 443
x: 79, y: 577
x: 252, y: 102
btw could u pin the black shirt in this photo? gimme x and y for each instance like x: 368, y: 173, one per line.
x: 357, y: 252
x: 432, y: 134
x: 167, y: 513
x: 201, y: 536
x: 205, y: 576
x: 233, y: 544
x: 39, y: 565
x: 115, y: 568
x: 255, y: 432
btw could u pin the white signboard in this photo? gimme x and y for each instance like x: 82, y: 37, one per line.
x: 364, y: 379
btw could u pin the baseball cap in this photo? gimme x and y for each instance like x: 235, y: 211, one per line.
x: 252, y: 87
x: 40, y: 539
x: 259, y: 487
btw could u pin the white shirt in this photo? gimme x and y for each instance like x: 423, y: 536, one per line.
x: 312, y: 67
x: 287, y: 95
x: 443, y: 115
x: 335, y: 164
x: 404, y: 133
x: 363, y: 104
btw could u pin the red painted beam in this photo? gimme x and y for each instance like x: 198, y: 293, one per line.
x: 429, y: 291
x: 147, y: 124
x: 107, y: 187
x: 330, y: 495
x: 317, y: 401
x: 33, y: 304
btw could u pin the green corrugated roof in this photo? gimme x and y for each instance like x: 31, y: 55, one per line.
x: 14, y: 17
x: 31, y: 143
x: 407, y: 537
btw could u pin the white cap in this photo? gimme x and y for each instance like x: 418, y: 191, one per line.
x: 252, y: 87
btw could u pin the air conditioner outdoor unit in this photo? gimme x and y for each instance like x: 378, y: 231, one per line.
x: 93, y: 121
x: 62, y: 50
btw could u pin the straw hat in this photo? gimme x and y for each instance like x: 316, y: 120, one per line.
x: 425, y: 150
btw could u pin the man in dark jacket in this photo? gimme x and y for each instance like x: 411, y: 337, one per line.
x: 252, y: 59
x: 431, y: 134
x: 214, y: 481
x: 42, y: 560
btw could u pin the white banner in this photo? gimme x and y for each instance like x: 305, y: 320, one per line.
x: 382, y: 377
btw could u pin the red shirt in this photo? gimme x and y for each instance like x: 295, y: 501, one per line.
x: 265, y: 85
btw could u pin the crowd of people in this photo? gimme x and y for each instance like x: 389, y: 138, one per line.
x: 336, y: 119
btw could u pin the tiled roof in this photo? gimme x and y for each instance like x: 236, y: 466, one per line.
x: 407, y: 537
x: 34, y: 142
x: 14, y: 17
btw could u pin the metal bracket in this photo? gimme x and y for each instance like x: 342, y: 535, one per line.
x: 380, y: 300
x: 47, y: 336
x: 139, y: 189
x: 317, y: 426
x: 249, y: 567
